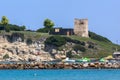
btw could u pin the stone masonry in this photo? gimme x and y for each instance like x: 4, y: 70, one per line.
x: 81, y: 27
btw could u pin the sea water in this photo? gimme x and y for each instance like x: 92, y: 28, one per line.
x: 46, y: 74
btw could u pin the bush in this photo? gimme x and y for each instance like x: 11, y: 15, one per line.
x: 79, y: 47
x: 56, y: 41
x: 74, y: 41
x: 5, y: 56
x: 13, y: 27
x: 91, y: 46
x: 69, y: 54
x: 45, y: 30
x: 29, y: 41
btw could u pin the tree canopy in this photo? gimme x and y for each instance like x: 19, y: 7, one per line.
x: 48, y: 26
x: 4, y: 20
x: 48, y: 23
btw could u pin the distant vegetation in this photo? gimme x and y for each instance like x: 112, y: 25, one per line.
x: 68, y: 39
x: 6, y: 56
x: 4, y: 22
x: 98, y: 37
x: 56, y: 41
x: 12, y: 27
x: 60, y: 40
x: 48, y: 26
x: 79, y: 48
x: 4, y: 25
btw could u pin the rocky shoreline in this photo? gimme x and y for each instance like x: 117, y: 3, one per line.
x: 61, y: 65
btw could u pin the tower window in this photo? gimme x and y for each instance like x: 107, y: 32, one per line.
x: 81, y: 23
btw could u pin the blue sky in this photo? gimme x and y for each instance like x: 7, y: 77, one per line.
x: 103, y: 15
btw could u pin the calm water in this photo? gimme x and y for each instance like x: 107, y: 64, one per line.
x: 86, y: 74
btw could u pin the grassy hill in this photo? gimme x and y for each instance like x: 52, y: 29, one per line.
x: 101, y: 48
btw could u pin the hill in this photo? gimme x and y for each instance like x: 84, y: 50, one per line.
x: 76, y: 47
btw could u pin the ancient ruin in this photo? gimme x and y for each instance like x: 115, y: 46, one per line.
x: 81, y: 27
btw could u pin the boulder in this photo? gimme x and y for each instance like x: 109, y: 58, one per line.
x: 57, y: 56
x: 54, y: 51
x: 85, y: 65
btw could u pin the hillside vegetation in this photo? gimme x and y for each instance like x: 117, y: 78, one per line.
x: 89, y: 47
x: 95, y: 46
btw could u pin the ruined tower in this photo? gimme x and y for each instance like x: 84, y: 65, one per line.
x: 81, y: 27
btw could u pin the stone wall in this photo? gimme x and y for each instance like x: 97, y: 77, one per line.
x: 81, y: 27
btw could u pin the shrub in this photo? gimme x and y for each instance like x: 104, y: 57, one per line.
x: 44, y: 30
x: 69, y: 54
x: 56, y: 41
x: 79, y: 47
x: 13, y: 27
x: 91, y: 46
x: 5, y: 56
x: 74, y: 41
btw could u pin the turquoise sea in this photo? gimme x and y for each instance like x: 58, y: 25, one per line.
x: 79, y: 74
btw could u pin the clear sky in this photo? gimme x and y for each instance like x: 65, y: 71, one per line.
x: 103, y: 15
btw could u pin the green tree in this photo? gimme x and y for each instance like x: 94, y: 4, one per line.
x: 23, y: 28
x: 48, y: 23
x: 48, y: 26
x: 4, y: 22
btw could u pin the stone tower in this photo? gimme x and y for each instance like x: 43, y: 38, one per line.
x: 81, y: 27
